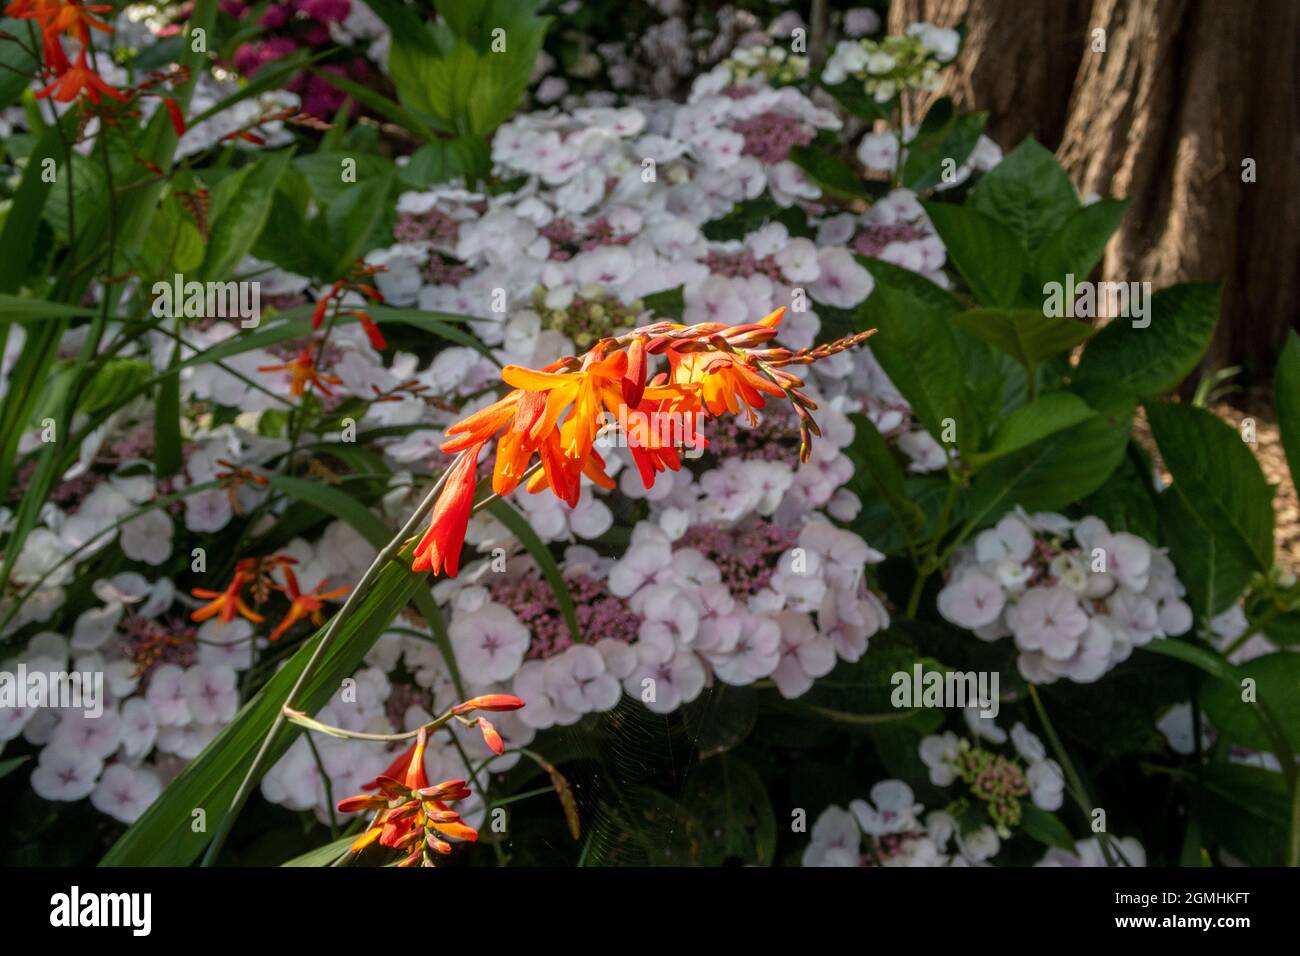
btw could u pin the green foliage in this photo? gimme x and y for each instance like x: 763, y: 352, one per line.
x: 1144, y: 362
x: 1026, y: 335
x: 465, y: 75
x: 1219, y: 511
x: 1287, y: 389
x: 831, y: 174
x: 1028, y: 193
x: 1274, y: 681
x: 945, y: 137
x: 985, y: 251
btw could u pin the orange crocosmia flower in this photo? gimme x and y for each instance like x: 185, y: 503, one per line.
x: 303, y: 606
x: 413, y: 816
x: 556, y: 413
x: 32, y: 9
x: 563, y: 475
x: 441, y: 545
x: 78, y: 79
x: 76, y: 21
x: 584, y: 393
x: 726, y: 383
x: 227, y: 603
x: 565, y: 432
x: 302, y: 372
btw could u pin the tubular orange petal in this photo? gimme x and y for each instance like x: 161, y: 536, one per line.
x: 441, y: 545
x: 483, y: 424
x: 533, y: 380
x: 459, y: 831
x: 493, y: 702
x: 364, y: 801
x: 491, y: 737
x: 594, y: 468
x: 634, y: 377
x: 367, y: 838
x: 415, y: 778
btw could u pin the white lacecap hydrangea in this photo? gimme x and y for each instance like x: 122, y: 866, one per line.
x: 1075, y: 597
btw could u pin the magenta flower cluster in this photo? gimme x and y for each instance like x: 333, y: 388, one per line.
x: 872, y: 241
x: 600, y: 614
x: 769, y: 137
x: 288, y: 27
x: 568, y: 239
x: 747, y: 556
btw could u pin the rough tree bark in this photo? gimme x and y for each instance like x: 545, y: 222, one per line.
x: 1185, y: 91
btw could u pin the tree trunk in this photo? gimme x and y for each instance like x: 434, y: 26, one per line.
x: 1184, y: 93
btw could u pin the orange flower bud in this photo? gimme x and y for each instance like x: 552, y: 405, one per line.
x: 492, y: 702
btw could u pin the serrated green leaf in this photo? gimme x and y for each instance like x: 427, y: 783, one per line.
x: 878, y: 473
x: 1028, y: 192
x: 1033, y: 422
x: 1218, y: 479
x: 1054, y: 472
x: 918, y: 349
x: 1276, y: 679
x: 1077, y: 247
x: 1149, y: 361
x: 985, y: 252
x: 1028, y: 336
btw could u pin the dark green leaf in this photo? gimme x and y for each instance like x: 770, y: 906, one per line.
x: 1077, y: 247
x: 730, y: 800
x: 1028, y: 192
x: 945, y: 137
x: 1286, y: 387
x: 984, y: 251
x: 1033, y: 422
x: 877, y: 472
x: 1276, y: 684
x: 1245, y: 809
x: 1045, y: 827
x: 1144, y: 362
x: 829, y: 173
x: 1219, y: 480
x: 17, y: 65
x: 917, y: 347
x: 1054, y: 472
x: 240, y: 206
x: 1027, y: 336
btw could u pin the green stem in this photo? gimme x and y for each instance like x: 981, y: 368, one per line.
x: 1073, y: 779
